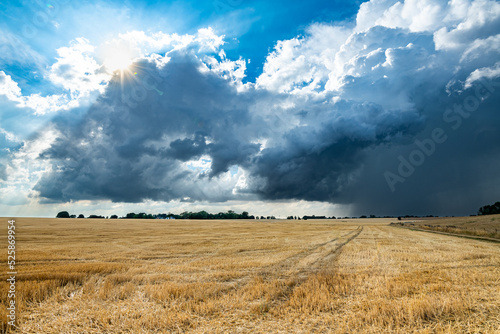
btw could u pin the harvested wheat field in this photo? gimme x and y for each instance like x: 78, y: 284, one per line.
x: 487, y: 226
x: 323, y: 276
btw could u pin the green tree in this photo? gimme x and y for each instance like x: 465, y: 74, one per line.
x: 63, y: 214
x: 489, y: 209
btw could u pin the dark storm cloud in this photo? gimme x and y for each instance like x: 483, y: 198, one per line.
x: 385, y: 92
x: 453, y: 177
x: 130, y: 145
x: 318, y: 161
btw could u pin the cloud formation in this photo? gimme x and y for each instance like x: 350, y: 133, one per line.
x: 333, y: 111
x: 136, y: 141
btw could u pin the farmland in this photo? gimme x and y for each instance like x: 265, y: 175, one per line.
x: 325, y: 276
x: 487, y: 226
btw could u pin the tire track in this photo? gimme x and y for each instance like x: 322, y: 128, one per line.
x: 311, y: 260
x: 300, y: 265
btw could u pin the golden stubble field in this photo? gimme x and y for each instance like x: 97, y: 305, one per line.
x: 476, y: 226
x: 323, y: 276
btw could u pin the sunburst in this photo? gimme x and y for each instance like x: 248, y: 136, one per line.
x: 118, y: 57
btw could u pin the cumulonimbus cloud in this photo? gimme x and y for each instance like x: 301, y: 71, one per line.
x: 331, y: 113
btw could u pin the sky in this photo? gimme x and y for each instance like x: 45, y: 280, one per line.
x: 278, y: 108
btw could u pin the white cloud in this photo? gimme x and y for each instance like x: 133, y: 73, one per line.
x: 415, y: 15
x: 241, y: 185
x: 226, y: 68
x: 392, y: 42
x: 207, y: 44
x: 24, y: 169
x: 483, y: 73
x: 48, y: 104
x: 209, y: 40
x: 482, y: 47
x: 9, y: 136
x: 80, y: 69
x: 201, y: 165
x: 455, y: 24
x: 77, y: 71
x: 74, y: 71
x: 9, y: 87
x: 40, y: 104
x: 144, y: 43
x: 141, y: 44
x: 478, y: 20
x: 302, y: 64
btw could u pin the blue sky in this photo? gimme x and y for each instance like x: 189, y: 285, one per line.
x: 251, y: 28
x: 283, y: 108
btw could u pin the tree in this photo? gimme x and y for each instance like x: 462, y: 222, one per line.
x: 113, y: 217
x: 489, y: 209
x: 81, y: 216
x: 63, y: 214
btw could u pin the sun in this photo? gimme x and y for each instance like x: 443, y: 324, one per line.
x: 118, y: 57
x: 118, y: 61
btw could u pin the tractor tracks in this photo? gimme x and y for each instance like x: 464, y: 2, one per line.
x: 311, y: 260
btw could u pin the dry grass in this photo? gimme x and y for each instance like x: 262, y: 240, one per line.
x: 480, y: 226
x: 339, y: 276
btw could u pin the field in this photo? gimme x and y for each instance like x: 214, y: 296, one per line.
x: 476, y: 226
x: 323, y: 276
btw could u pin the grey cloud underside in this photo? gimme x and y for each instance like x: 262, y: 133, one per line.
x: 133, y: 142
x: 318, y: 162
x: 456, y: 179
x: 130, y: 144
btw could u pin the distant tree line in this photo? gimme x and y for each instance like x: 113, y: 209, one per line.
x: 489, y: 209
x: 316, y: 217
x: 65, y: 214
x: 185, y: 215
x: 485, y: 210
x: 191, y: 215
